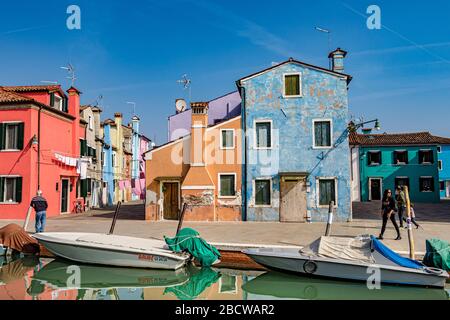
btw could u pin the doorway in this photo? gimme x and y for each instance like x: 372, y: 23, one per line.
x: 375, y: 189
x: 170, y: 200
x: 64, y: 196
x: 293, y: 199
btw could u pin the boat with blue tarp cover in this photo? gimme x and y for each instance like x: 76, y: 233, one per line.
x: 363, y: 258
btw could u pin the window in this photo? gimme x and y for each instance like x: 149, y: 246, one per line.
x: 227, y: 185
x: 227, y: 139
x: 10, y: 189
x: 401, y: 157
x: 91, y: 126
x: 440, y: 165
x: 263, y: 135
x: 442, y: 185
x: 263, y: 192
x: 426, y: 184
x: 11, y: 136
x: 426, y: 157
x: 402, y: 181
x: 439, y: 149
x: 57, y: 102
x: 83, y: 147
x: 374, y: 158
x: 292, y: 85
x: 113, y: 159
x: 327, y: 192
x: 322, y: 134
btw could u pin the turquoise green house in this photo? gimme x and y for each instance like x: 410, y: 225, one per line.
x: 385, y: 161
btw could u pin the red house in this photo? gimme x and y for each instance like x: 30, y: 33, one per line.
x: 40, y: 137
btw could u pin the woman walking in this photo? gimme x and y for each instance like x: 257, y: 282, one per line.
x: 388, y: 212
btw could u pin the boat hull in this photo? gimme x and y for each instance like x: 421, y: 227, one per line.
x: 329, y: 268
x: 112, y: 255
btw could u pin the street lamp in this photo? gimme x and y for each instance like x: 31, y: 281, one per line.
x: 34, y: 141
x: 353, y: 127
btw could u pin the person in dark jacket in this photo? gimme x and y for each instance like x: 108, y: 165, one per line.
x: 401, y: 204
x: 388, y: 212
x: 39, y: 204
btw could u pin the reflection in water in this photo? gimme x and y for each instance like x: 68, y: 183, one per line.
x: 287, y: 286
x: 46, y: 279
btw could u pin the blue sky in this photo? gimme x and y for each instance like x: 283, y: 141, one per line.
x: 136, y: 50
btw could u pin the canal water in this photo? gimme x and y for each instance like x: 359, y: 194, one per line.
x: 31, y: 278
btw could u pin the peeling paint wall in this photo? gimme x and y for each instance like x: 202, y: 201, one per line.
x: 324, y: 97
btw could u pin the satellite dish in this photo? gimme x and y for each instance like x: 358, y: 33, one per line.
x: 180, y: 105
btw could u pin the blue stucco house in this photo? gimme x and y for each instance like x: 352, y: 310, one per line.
x: 108, y: 171
x: 296, y: 152
x: 444, y: 168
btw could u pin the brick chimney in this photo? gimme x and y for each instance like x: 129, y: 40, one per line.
x: 73, y: 106
x: 197, y: 174
x: 337, y: 60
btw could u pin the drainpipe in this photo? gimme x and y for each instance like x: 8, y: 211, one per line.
x: 39, y: 150
x: 244, y: 171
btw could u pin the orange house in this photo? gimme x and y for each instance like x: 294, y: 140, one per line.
x: 201, y: 170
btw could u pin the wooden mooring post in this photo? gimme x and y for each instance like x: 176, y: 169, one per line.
x: 27, y: 219
x: 180, y: 222
x: 412, y: 253
x: 330, y: 219
x: 116, y: 214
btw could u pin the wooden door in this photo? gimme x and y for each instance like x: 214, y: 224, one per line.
x: 375, y: 189
x: 293, y: 200
x: 64, y: 195
x: 171, y: 205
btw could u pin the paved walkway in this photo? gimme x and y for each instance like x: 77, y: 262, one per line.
x: 269, y: 233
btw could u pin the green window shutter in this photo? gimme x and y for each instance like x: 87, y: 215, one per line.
x: 20, y: 136
x: 89, y: 186
x: 2, y: 135
x: 327, y: 192
x: 227, y: 186
x: 65, y: 109
x: 2, y: 188
x: 52, y: 99
x: 19, y: 189
x: 84, y: 188
x: 262, y: 192
x: 83, y: 147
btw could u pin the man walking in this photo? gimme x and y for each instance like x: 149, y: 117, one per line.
x: 39, y: 205
x: 401, y: 204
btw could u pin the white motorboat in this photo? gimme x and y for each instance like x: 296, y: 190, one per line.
x: 358, y: 259
x: 113, y: 250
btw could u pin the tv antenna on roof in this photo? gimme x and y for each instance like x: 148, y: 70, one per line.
x: 97, y: 101
x: 71, y: 71
x: 134, y: 107
x: 186, y: 82
x: 328, y: 32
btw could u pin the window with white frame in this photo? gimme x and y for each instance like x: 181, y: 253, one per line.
x: 90, y: 123
x: 426, y: 184
x: 11, y: 135
x: 439, y: 149
x: 10, y: 189
x: 57, y: 102
x: 426, y: 157
x: 113, y: 159
x: 263, y: 134
x: 227, y: 139
x: 440, y: 165
x: 292, y: 85
x: 374, y: 158
x: 400, y: 157
x: 327, y: 191
x: 227, y: 185
x: 322, y: 133
x: 442, y: 185
x: 263, y: 191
